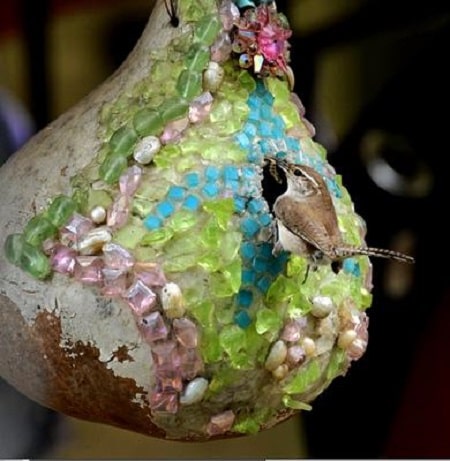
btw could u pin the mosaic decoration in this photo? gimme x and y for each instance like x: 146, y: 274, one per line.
x: 172, y: 220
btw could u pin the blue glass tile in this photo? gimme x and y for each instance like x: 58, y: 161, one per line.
x: 248, y: 250
x: 277, y: 132
x: 276, y: 266
x: 243, y: 140
x: 250, y: 130
x: 267, y: 97
x: 210, y: 190
x: 212, y: 173
x: 255, y: 206
x: 164, y: 209
x: 248, y: 172
x: 265, y: 219
x: 255, y: 157
x: 279, y: 123
x: 191, y: 203
x: 261, y: 264
x: 231, y: 172
x: 264, y: 283
x: 281, y: 154
x: 265, y: 250
x: 266, y: 112
x: 254, y: 115
x: 248, y: 277
x: 253, y: 102
x: 265, y: 128
x: 245, y: 298
x: 239, y: 204
x: 265, y: 146
x: 175, y: 193
x: 351, y: 266
x: 333, y: 187
x: 232, y: 185
x: 249, y: 227
x: 192, y: 179
x: 152, y: 222
x: 242, y: 319
x: 293, y: 143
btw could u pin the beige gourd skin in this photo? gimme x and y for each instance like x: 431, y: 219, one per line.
x: 54, y: 346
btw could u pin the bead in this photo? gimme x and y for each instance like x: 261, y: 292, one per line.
x: 207, y: 29
x: 88, y: 270
x: 98, y: 214
x: 321, y: 306
x: 148, y: 122
x: 194, y: 391
x: 277, y: 355
x: 63, y: 259
x: 140, y: 298
x: 13, y: 248
x: 123, y: 140
x: 165, y: 402
x: 38, y: 229
x: 34, y: 261
x: 114, y: 282
x: 173, y: 109
x: 112, y: 167
x: 152, y: 327
x: 60, y: 210
x: 146, y: 149
x: 130, y: 180
x: 186, y: 332
x: 197, y: 58
x: 309, y: 346
x: 117, y: 257
x: 346, y: 338
x: 280, y: 372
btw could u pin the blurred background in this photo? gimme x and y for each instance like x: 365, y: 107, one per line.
x: 374, y: 79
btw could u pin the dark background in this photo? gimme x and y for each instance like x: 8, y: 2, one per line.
x: 395, y: 401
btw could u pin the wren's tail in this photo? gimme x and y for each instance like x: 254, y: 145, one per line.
x: 347, y: 252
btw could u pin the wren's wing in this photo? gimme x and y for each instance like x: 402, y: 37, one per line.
x: 301, y: 218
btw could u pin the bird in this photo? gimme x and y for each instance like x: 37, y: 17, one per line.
x: 306, y: 220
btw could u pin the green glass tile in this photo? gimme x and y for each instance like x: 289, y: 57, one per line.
x: 173, y: 108
x: 305, y: 378
x: 197, y: 58
x: 267, y: 320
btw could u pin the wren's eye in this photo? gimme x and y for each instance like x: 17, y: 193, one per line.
x: 297, y: 173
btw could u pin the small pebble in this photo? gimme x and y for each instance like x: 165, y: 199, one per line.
x: 172, y: 300
x: 194, y: 392
x: 346, y: 338
x: 213, y: 77
x: 146, y: 149
x: 277, y: 355
x: 321, y: 306
x: 94, y: 240
x: 309, y: 346
x: 280, y: 372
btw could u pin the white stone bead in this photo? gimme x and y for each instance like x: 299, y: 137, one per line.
x: 346, y: 338
x: 321, y: 306
x: 213, y: 77
x: 172, y: 300
x: 146, y: 149
x: 98, y: 214
x: 277, y: 355
x: 309, y: 346
x: 194, y: 392
x: 280, y: 372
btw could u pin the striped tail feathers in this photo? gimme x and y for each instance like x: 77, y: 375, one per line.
x: 347, y: 252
